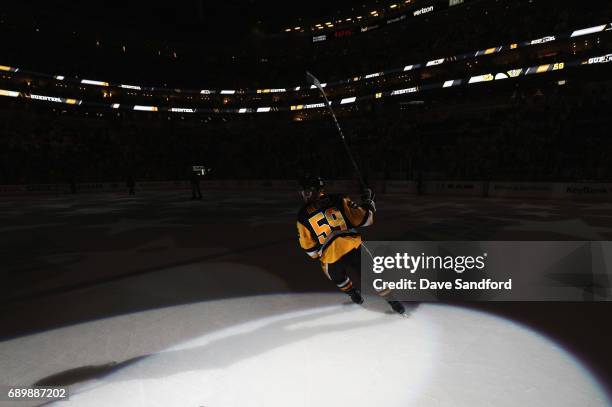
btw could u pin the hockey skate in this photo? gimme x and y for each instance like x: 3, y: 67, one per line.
x: 355, y: 295
x: 397, y: 307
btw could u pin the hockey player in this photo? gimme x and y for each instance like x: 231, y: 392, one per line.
x: 327, y: 230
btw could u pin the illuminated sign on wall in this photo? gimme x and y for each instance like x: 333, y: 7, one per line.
x: 404, y: 91
x: 182, y: 110
x: 435, y: 62
x: 46, y: 98
x: 278, y: 90
x: 600, y: 60
x: 368, y: 28
x: 423, y: 10
x: 396, y: 19
x: 343, y: 33
x: 543, y: 40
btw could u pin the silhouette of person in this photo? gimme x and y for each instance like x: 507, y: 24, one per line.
x: 195, y: 185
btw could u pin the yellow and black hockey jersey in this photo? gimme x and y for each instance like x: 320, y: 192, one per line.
x: 327, y: 228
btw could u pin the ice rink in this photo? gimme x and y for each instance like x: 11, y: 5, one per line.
x: 155, y: 299
x: 301, y: 350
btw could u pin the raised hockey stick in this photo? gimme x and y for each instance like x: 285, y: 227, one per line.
x: 314, y: 81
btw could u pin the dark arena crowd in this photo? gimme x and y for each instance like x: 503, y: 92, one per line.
x: 539, y: 133
x: 545, y: 127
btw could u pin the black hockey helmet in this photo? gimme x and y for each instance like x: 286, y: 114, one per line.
x: 311, y: 183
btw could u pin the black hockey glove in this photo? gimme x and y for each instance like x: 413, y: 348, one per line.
x: 368, y: 199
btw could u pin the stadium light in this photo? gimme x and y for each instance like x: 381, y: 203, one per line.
x: 586, y: 31
x: 9, y: 93
x: 145, y: 108
x: 348, y: 100
x: 91, y: 82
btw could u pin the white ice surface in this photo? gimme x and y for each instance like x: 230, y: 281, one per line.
x: 305, y: 350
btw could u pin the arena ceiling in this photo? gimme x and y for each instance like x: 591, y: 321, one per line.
x: 175, y: 19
